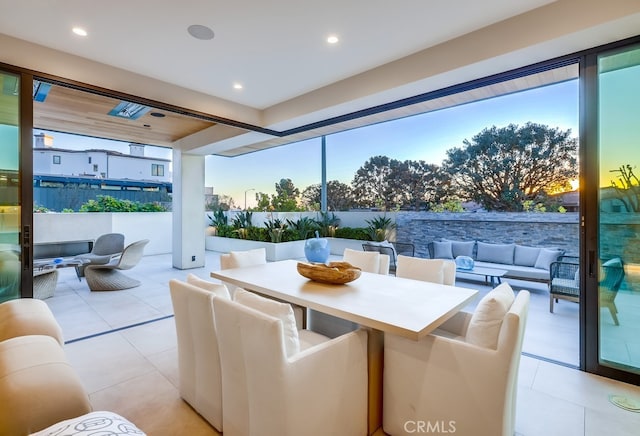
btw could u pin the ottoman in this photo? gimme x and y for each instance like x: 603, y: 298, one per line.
x: 38, y: 386
x: 27, y: 316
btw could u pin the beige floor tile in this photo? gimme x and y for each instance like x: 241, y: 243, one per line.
x: 153, y: 404
x: 538, y: 414
x: 153, y: 337
x: 106, y: 360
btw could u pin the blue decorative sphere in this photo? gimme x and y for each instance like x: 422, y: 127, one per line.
x: 317, y: 249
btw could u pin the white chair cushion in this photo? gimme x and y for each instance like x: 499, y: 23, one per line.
x: 91, y: 424
x: 241, y: 259
x: 485, y: 323
x: 368, y: 261
x: 416, y: 268
x: 282, y: 311
x: 218, y: 289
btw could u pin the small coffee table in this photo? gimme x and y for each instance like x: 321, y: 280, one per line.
x: 491, y: 275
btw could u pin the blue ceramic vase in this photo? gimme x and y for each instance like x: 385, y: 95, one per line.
x: 316, y: 249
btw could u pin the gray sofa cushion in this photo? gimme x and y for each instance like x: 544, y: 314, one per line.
x: 496, y: 253
x: 462, y: 248
x: 517, y: 271
x: 442, y: 250
x: 526, y: 256
x: 546, y: 257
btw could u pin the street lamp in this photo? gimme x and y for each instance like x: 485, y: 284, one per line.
x: 245, y: 197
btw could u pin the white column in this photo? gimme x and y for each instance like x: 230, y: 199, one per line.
x: 188, y: 210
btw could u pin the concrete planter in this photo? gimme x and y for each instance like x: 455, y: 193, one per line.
x: 279, y: 250
x: 275, y: 251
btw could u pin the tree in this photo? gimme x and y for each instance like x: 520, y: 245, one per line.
x: 286, y: 198
x: 414, y: 184
x: 390, y: 183
x: 627, y: 188
x: 339, y: 196
x: 501, y: 168
x: 371, y: 183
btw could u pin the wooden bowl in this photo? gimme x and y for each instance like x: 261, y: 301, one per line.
x: 335, y: 273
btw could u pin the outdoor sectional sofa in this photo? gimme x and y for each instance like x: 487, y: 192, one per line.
x: 521, y: 262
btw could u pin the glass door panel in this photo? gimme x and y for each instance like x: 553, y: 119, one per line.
x: 10, y: 213
x: 619, y: 209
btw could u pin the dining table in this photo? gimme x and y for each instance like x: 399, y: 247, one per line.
x: 382, y: 304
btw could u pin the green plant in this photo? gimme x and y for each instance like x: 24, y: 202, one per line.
x: 447, y: 206
x: 275, y: 229
x: 67, y: 210
x: 242, y: 220
x: 304, y: 227
x: 218, y: 218
x: 106, y: 203
x: 379, y: 228
x: 39, y: 209
x: 328, y: 223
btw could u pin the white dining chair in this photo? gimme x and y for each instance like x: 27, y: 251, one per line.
x: 241, y: 259
x: 271, y: 390
x: 200, y: 379
x: 464, y: 375
x: 369, y: 261
x: 429, y: 270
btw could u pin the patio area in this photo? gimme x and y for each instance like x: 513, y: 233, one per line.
x: 123, y: 345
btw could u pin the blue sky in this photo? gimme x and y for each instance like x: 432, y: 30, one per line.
x: 422, y: 137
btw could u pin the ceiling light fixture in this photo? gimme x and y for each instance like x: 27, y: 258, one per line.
x: 157, y: 114
x: 79, y: 31
x: 237, y: 86
x: 201, y: 32
x: 332, y: 39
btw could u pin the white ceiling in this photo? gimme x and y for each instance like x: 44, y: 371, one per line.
x: 277, y: 49
x: 388, y: 51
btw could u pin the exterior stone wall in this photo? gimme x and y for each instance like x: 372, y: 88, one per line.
x: 531, y: 229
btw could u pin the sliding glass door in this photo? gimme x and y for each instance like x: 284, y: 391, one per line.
x: 10, y: 192
x: 613, y: 316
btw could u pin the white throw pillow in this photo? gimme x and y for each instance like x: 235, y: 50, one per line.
x: 485, y: 323
x: 546, y: 257
x: 93, y: 423
x: 216, y: 288
x: 276, y: 309
x: 241, y: 259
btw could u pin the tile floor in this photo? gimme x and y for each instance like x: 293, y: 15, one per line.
x: 132, y: 370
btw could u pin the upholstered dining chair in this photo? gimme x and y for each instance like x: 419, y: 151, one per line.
x: 369, y: 261
x: 105, y: 248
x: 464, y: 375
x: 331, y: 326
x: 108, y: 277
x: 429, y: 270
x: 241, y: 259
x: 276, y: 384
x: 200, y: 378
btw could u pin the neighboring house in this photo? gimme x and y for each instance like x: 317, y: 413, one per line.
x: 105, y: 164
x: 66, y: 179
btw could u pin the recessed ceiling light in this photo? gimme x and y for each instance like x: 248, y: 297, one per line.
x: 332, y: 39
x: 79, y: 31
x: 157, y: 114
x: 237, y: 86
x: 199, y: 31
